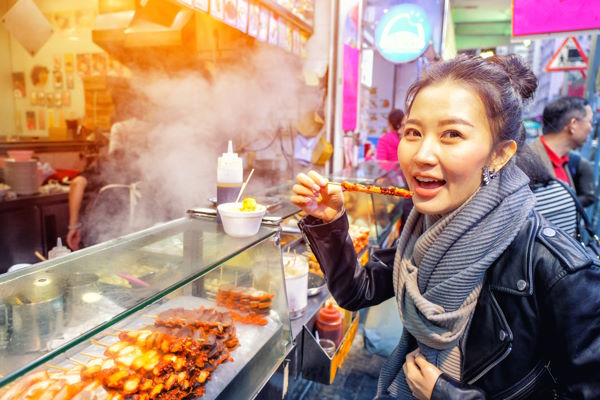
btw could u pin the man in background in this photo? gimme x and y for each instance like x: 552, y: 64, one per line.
x: 567, y: 122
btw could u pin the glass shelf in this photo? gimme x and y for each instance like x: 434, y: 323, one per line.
x: 48, y: 312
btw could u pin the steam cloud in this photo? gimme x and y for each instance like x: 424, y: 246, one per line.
x: 191, y: 118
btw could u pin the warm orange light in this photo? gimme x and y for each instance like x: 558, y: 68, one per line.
x: 108, y: 6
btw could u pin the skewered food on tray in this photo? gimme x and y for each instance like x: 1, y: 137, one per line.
x: 172, y: 359
x: 253, y: 305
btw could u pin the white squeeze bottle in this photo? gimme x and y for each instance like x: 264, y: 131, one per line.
x: 58, y: 250
x: 230, y: 176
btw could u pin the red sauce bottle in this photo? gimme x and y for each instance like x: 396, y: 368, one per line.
x: 330, y: 324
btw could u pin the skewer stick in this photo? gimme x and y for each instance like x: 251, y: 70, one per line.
x: 151, y: 316
x: 77, y: 362
x: 236, y: 278
x: 100, y: 343
x: 334, y: 183
x: 294, y: 261
x: 111, y: 334
x: 93, y: 355
x: 63, y: 369
x: 288, y: 251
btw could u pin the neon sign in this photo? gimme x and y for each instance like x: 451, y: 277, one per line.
x: 403, y: 33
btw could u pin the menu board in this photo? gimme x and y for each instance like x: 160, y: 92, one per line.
x: 216, y: 9
x: 242, y: 15
x: 253, y: 11
x: 230, y: 10
x: 273, y: 29
x: 263, y: 24
x: 201, y: 5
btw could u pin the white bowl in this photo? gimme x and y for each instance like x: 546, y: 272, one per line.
x: 240, y: 223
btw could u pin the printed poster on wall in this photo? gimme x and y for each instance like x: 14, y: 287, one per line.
x: 273, y: 29
x: 201, y: 5
x: 41, y: 117
x: 230, y: 10
x: 253, y: 11
x: 216, y: 9
x: 30, y: 120
x: 18, y: 82
x: 84, y: 62
x: 69, y: 63
x: 242, y: 15
x: 263, y: 25
x: 99, y: 64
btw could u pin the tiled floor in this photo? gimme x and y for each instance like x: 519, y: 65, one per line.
x: 356, y: 380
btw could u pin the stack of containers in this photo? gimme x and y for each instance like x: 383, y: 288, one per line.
x: 21, y: 172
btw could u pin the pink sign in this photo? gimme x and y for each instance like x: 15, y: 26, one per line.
x: 535, y: 17
x: 351, y: 57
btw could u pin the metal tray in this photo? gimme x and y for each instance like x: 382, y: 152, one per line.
x: 316, y: 283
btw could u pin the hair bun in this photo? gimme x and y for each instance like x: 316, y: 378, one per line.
x: 521, y: 77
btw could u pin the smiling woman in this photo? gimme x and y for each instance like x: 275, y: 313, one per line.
x: 490, y: 295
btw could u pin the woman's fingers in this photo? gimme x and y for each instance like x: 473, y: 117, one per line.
x: 314, y: 175
x: 307, y: 181
x: 301, y: 190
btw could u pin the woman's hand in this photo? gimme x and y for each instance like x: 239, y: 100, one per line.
x: 315, y: 197
x: 421, y: 375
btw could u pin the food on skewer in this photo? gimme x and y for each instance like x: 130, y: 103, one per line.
x: 388, y: 190
x: 172, y: 359
x: 253, y: 304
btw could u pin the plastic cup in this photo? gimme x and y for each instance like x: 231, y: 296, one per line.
x: 328, y: 346
x: 296, y: 284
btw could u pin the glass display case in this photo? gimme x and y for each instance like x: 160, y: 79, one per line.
x: 179, y: 308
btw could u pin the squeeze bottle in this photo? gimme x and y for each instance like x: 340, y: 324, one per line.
x: 329, y: 324
x: 230, y: 176
x: 58, y: 250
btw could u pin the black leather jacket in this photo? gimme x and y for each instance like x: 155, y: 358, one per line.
x: 535, y: 333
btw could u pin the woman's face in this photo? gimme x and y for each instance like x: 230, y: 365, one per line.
x: 446, y: 143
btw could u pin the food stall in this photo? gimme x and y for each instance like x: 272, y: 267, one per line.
x: 107, y: 319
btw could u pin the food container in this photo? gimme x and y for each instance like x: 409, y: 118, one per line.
x: 296, y: 284
x: 37, y: 312
x: 20, y: 155
x: 240, y: 223
x: 22, y: 176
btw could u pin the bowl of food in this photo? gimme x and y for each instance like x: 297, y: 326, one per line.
x: 241, y: 219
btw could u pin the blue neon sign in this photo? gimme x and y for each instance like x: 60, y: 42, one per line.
x: 403, y: 33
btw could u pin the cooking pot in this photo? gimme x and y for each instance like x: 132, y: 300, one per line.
x: 36, y: 313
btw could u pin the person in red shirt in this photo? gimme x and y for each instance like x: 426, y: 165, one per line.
x: 567, y: 123
x: 387, y: 145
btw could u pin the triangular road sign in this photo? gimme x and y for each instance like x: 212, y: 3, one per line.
x: 569, y: 57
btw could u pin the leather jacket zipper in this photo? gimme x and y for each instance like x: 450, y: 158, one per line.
x: 492, y: 365
x: 531, y: 382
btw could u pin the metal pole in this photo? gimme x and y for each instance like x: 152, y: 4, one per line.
x: 332, y: 83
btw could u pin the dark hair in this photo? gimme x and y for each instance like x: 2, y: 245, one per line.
x: 558, y: 113
x: 395, y: 118
x: 529, y: 162
x: 503, y: 83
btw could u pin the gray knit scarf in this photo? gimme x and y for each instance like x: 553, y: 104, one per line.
x: 439, y: 270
